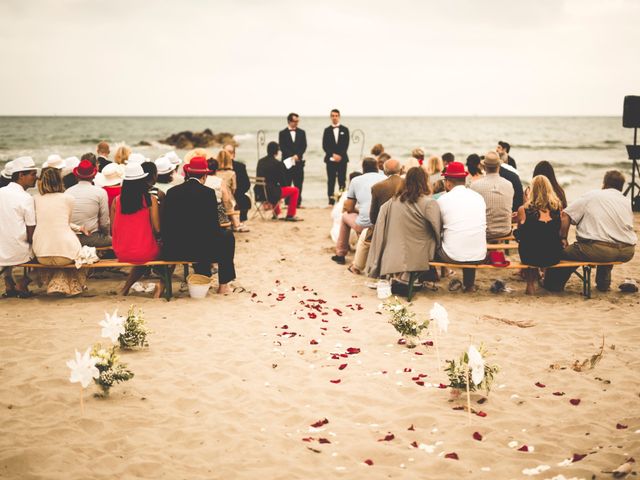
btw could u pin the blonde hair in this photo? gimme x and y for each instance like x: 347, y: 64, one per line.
x: 122, y: 155
x: 225, y: 160
x: 409, y: 163
x: 50, y: 181
x: 542, y: 196
x: 434, y: 165
x: 196, y: 152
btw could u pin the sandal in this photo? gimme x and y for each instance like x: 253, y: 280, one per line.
x: 628, y: 286
x: 455, y: 285
x: 352, y: 268
x: 239, y: 290
x: 241, y: 229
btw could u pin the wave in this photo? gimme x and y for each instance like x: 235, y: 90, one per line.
x: 92, y: 141
x: 605, y: 145
x: 244, y: 136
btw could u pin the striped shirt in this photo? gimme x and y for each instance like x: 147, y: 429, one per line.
x: 498, y: 196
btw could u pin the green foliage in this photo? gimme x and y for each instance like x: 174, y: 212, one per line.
x: 403, y: 319
x: 135, y: 331
x: 457, y: 372
x: 110, y: 368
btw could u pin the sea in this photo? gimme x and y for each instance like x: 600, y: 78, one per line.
x: 581, y: 149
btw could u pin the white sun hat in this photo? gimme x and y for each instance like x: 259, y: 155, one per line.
x: 71, y: 162
x: 7, y: 171
x: 173, y: 157
x: 54, y: 161
x: 136, y: 159
x: 23, y: 164
x: 164, y: 166
x: 133, y: 171
x: 110, y: 176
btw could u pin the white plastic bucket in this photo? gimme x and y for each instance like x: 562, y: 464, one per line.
x: 384, y: 289
x: 198, y: 291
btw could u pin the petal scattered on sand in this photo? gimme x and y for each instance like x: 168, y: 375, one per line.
x: 368, y: 461
x: 320, y: 423
x: 452, y: 456
x: 335, y: 381
x: 575, y: 401
x: 540, y: 385
x: 477, y: 436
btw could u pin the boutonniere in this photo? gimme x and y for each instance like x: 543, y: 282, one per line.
x: 341, y: 133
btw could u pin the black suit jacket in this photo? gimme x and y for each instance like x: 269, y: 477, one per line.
x: 243, y: 184
x: 330, y: 146
x: 274, y: 173
x: 518, y: 194
x: 102, y: 162
x: 190, y: 228
x: 289, y: 148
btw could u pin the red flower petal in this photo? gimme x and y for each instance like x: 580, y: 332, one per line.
x: 414, y: 444
x: 442, y: 385
x: 335, y: 356
x: 415, y: 378
x: 344, y: 355
x: 421, y: 383
x: 523, y: 448
x: 407, y: 369
x: 360, y: 307
x: 452, y: 455
x: 320, y: 423
x: 335, y: 381
x: 477, y: 436
x: 325, y: 321
x: 401, y: 341
x: 428, y: 343
x: 387, y: 438
x: 324, y: 329
x: 307, y: 439
x: 353, y: 350
x: 458, y: 408
x: 418, y: 353
x: 481, y: 414
x: 575, y: 401
x: 254, y: 295
x: 346, y: 329
x: 412, y: 428
x: 323, y: 440
x: 342, y: 367
x: 313, y: 342
x: 423, y: 375
x: 368, y: 461
x: 621, y: 426
x: 540, y: 385
x: 558, y: 394
x: 577, y: 457
x: 338, y: 312
x: 312, y: 315
x: 284, y: 327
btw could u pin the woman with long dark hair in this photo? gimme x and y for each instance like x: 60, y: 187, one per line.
x: 546, y: 169
x: 136, y: 221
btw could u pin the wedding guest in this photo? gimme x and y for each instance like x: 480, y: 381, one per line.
x: 433, y: 168
x: 5, y: 175
x: 18, y: 220
x: 54, y: 240
x: 504, y: 147
x: 408, y: 164
x: 509, y: 173
x: 110, y: 179
x: 447, y: 158
x: 381, y: 159
x: 136, y: 222
x: 407, y: 233
x: 546, y: 169
x: 274, y: 174
x: 68, y: 178
x: 376, y: 150
x: 293, y: 144
x: 226, y: 205
x: 91, y: 158
x: 122, y: 155
x: 335, y: 143
x: 103, y: 155
x: 538, y: 231
x: 91, y: 207
x: 225, y: 170
x: 418, y: 154
x: 54, y: 161
x: 166, y: 173
x: 243, y: 184
x: 474, y: 167
x: 152, y: 178
x: 191, y: 230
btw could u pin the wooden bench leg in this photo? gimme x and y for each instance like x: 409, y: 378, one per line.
x: 586, y: 281
x: 165, y: 272
x: 412, y: 278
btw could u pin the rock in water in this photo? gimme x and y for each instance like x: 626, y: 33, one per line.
x: 188, y: 140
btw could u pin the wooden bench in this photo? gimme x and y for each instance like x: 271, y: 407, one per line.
x: 502, y: 246
x: 163, y: 267
x: 585, y: 276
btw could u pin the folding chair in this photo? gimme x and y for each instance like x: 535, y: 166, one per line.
x: 260, y: 199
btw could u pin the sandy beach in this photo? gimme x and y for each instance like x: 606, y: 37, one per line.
x: 230, y: 386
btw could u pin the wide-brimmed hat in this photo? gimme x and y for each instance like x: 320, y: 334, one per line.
x: 85, y: 170
x: 491, y: 159
x: 136, y: 158
x: 173, y: 157
x: 110, y: 176
x: 71, y: 162
x: 7, y: 171
x: 197, y: 165
x: 23, y: 164
x: 455, y: 170
x: 497, y: 259
x: 133, y: 171
x: 164, y: 166
x: 54, y: 161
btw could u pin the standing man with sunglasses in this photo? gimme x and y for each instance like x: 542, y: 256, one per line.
x: 293, y: 144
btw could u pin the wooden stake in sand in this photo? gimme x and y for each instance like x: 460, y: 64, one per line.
x: 468, y: 396
x: 81, y: 400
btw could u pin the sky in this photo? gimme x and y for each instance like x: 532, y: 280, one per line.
x: 369, y: 57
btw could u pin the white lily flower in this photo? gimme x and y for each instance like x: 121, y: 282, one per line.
x: 83, y: 368
x: 112, y: 326
x: 441, y: 317
x: 476, y: 365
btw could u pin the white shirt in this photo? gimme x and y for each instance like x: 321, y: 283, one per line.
x: 91, y: 207
x: 336, y: 131
x: 17, y: 212
x: 464, y: 224
x: 293, y: 135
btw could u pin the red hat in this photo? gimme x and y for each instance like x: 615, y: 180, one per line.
x: 197, y: 165
x: 455, y: 170
x: 85, y: 170
x: 497, y: 258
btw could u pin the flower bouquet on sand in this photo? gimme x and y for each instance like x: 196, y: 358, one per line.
x: 135, y: 331
x: 403, y: 320
x: 471, y: 371
x: 111, y: 371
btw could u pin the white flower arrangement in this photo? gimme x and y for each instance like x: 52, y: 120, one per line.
x: 403, y: 320
x: 110, y: 368
x: 135, y: 330
x: 473, y: 363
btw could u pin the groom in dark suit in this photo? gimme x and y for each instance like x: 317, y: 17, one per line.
x: 335, y: 143
x: 293, y: 143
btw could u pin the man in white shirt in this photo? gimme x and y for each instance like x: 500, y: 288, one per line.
x: 91, y: 208
x: 18, y: 220
x: 604, y: 232
x: 464, y: 224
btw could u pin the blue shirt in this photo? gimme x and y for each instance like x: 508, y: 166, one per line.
x: 360, y: 191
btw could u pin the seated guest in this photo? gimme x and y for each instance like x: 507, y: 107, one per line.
x: 226, y: 206
x: 338, y: 209
x: 418, y: 154
x: 18, y: 220
x: 509, y: 173
x: 546, y: 169
x: 54, y: 161
x: 433, y: 169
x: 176, y: 161
x: 91, y: 207
x: 110, y: 178
x: 380, y: 159
x: 122, y: 155
x: 539, y: 230
x: 90, y: 157
x: 103, y: 155
x: 68, y: 178
x: 407, y: 232
x: 447, y: 158
x: 243, y: 202
x: 274, y: 174
x: 225, y: 171
x: 464, y: 224
x: 474, y: 167
x: 152, y: 178
x: 166, y: 172
x: 376, y: 150
x: 381, y: 192
x: 498, y: 197
x: 604, y: 232
x: 407, y: 165
x: 136, y: 222
x: 191, y: 230
x: 54, y: 240
x: 357, y: 206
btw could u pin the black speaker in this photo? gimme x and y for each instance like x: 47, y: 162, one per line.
x: 631, y: 114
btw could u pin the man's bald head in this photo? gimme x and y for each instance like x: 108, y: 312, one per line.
x: 392, y: 167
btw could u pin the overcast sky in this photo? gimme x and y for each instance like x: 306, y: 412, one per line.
x: 369, y: 57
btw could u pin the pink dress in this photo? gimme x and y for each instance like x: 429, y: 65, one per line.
x: 133, y: 240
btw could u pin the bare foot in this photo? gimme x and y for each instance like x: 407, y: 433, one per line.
x: 224, y: 289
x: 159, y: 290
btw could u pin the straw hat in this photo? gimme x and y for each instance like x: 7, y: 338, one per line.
x: 7, y: 171
x: 54, y: 161
x: 23, y: 164
x: 110, y: 176
x: 164, y: 166
x: 196, y: 152
x: 133, y: 171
